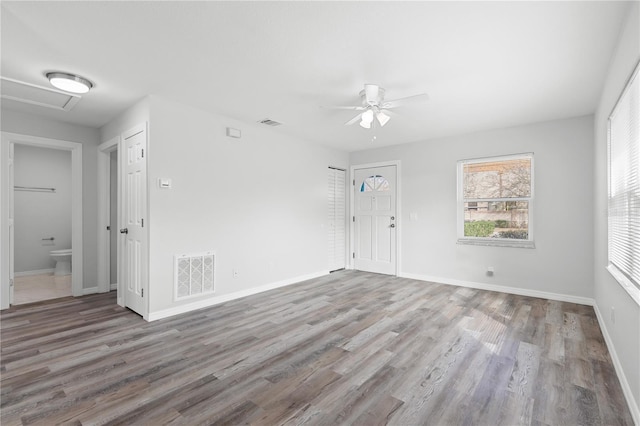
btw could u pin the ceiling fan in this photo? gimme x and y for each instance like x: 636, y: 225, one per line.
x: 374, y: 108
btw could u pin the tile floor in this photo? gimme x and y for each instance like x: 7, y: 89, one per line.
x: 34, y: 288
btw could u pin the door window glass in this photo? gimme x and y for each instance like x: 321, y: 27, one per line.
x: 374, y: 183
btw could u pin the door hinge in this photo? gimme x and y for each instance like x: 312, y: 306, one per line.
x: 11, y: 282
x: 142, y: 222
x: 142, y: 292
x: 354, y: 182
x: 353, y: 255
x: 354, y: 218
x: 142, y: 152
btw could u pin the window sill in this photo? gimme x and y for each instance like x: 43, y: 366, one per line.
x: 625, y: 283
x: 496, y: 242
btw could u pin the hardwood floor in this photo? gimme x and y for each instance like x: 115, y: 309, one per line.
x: 348, y: 348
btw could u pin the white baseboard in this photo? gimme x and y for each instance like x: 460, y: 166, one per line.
x: 93, y: 290
x: 624, y: 383
x: 35, y: 272
x: 503, y: 289
x: 215, y: 300
x: 90, y: 290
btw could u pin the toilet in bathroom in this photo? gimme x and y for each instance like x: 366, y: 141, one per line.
x: 63, y: 261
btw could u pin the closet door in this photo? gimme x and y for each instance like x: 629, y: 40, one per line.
x: 337, y: 219
x: 135, y: 236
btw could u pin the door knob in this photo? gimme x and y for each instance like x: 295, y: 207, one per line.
x: 124, y: 231
x: 393, y: 225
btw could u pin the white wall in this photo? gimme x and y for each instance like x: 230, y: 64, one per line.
x: 40, y: 215
x: 259, y: 202
x: 136, y: 114
x: 624, y: 335
x: 33, y: 125
x: 560, y: 263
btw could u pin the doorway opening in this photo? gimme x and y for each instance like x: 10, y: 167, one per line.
x: 129, y: 257
x: 43, y: 246
x: 108, y: 202
x: 42, y: 260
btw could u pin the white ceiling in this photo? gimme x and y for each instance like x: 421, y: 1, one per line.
x: 484, y: 64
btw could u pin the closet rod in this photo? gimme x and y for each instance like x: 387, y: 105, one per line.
x: 34, y: 189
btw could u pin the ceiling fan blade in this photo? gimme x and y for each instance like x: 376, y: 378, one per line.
x: 402, y: 101
x: 352, y: 108
x: 353, y: 120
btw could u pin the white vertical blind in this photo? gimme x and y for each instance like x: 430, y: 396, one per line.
x: 624, y: 182
x: 336, y: 219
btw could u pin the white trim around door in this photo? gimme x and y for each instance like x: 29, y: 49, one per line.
x: 104, y: 218
x: 76, y: 209
x: 398, y: 215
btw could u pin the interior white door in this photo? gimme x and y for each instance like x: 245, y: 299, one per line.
x: 375, y: 219
x: 11, y: 224
x: 133, y: 229
x: 337, y: 219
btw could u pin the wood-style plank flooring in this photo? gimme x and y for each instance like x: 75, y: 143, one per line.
x: 348, y: 348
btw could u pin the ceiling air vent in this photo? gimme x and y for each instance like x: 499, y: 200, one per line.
x: 269, y: 122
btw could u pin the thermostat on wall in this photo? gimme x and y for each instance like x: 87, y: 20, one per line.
x: 164, y: 183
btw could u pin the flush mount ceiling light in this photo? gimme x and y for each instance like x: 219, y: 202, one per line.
x: 69, y: 82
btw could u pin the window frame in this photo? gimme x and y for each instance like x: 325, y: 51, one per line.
x: 489, y: 241
x: 632, y: 288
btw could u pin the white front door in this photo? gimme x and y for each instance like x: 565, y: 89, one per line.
x: 133, y: 228
x: 375, y: 219
x: 337, y: 219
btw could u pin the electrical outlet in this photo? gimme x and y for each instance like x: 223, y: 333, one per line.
x: 613, y: 315
x: 236, y: 273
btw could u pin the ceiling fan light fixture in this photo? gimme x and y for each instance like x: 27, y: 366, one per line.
x: 69, y: 82
x: 382, y: 118
x: 366, y: 119
x: 367, y: 116
x: 374, y: 108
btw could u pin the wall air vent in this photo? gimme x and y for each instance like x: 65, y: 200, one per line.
x: 194, y: 274
x: 26, y: 93
x: 269, y: 122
